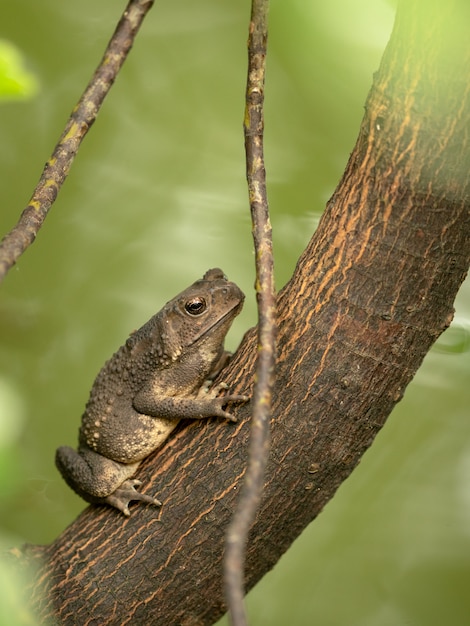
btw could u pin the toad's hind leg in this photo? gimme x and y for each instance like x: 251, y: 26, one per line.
x: 127, y: 492
x: 98, y: 479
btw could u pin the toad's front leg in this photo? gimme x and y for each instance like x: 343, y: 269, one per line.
x: 207, y: 403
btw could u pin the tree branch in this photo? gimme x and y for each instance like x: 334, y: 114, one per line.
x: 370, y: 294
x: 82, y: 117
x: 237, y: 535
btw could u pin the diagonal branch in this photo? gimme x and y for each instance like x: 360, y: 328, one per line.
x: 244, y: 516
x: 370, y: 294
x: 82, y: 117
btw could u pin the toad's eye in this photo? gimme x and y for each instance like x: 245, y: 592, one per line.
x: 196, y: 306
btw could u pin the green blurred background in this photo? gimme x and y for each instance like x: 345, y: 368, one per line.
x: 156, y: 196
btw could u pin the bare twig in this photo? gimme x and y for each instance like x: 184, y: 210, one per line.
x: 82, y: 117
x: 259, y: 445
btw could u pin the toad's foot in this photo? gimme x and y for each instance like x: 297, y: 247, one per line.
x: 229, y: 399
x: 218, y: 402
x: 127, y: 492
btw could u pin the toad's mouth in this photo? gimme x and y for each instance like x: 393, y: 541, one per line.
x: 232, y: 312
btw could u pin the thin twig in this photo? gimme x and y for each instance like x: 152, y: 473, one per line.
x: 82, y: 117
x: 244, y: 516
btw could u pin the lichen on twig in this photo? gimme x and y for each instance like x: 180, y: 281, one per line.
x: 259, y: 444
x: 81, y: 119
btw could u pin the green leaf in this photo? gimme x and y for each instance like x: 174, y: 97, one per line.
x: 16, y: 81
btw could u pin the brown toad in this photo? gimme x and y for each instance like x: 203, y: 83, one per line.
x: 158, y: 377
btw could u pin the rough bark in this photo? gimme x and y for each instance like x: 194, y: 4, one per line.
x: 371, y: 293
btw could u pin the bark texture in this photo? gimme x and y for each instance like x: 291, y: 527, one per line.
x: 370, y: 294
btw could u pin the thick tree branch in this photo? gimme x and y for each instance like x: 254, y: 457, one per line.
x: 82, y: 117
x: 237, y: 535
x: 370, y: 295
